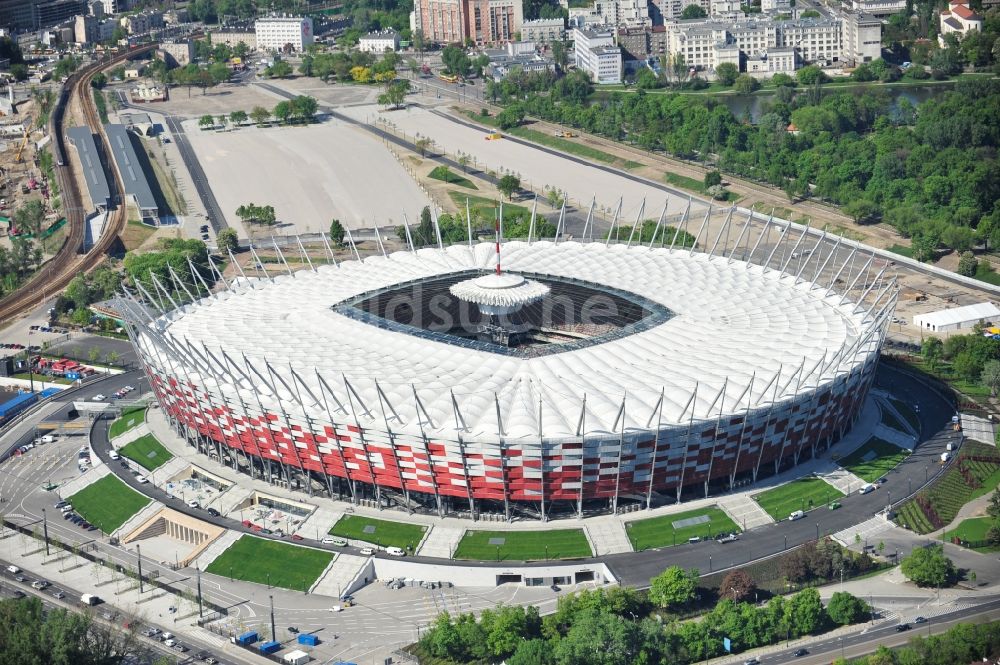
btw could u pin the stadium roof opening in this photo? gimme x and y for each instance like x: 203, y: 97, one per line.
x: 573, y: 314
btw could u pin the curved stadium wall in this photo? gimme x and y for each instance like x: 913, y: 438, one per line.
x: 748, y: 369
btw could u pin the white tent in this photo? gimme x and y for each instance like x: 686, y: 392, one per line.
x: 958, y: 318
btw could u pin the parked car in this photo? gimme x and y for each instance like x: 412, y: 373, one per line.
x: 729, y: 538
x: 834, y: 505
x: 213, y: 512
x: 336, y: 542
x: 367, y: 551
x: 796, y: 515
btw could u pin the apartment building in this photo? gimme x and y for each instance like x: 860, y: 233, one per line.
x: 379, y: 41
x: 543, y: 30
x: 234, y: 35
x: 818, y: 39
x: 596, y: 53
x: 862, y: 40
x: 455, y: 21
x: 176, y: 54
x: 880, y: 8
x: 284, y: 33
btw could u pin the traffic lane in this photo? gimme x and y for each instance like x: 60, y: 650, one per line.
x: 859, y: 644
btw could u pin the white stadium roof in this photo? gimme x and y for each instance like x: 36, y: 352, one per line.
x: 733, y: 322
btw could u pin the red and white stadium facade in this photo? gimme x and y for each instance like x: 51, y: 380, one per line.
x: 769, y: 356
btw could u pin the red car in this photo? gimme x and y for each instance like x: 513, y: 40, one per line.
x: 247, y: 523
x: 296, y: 536
x: 256, y: 527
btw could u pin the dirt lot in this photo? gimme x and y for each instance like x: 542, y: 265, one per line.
x: 309, y: 174
x: 225, y: 98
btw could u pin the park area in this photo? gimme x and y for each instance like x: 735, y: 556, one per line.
x: 379, y: 532
x: 310, y: 174
x: 523, y: 545
x: 677, y: 528
x: 107, y: 503
x: 130, y: 418
x: 253, y: 559
x: 874, y: 459
x: 147, y: 452
x: 801, y: 494
x: 973, y: 533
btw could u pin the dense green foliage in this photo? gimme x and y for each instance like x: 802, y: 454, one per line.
x: 928, y: 566
x: 30, y: 633
x: 615, y: 626
x: 965, y: 643
x: 821, y: 561
x: 932, y: 171
x: 454, y: 228
x: 174, y: 254
x: 86, y: 289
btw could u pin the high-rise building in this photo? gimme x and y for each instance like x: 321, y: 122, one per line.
x: 21, y: 15
x: 479, y: 21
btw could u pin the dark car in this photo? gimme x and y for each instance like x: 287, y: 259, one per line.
x: 555, y: 587
x: 920, y: 620
x: 293, y: 629
x: 901, y: 627
x: 213, y: 512
x: 800, y: 653
x: 266, y: 532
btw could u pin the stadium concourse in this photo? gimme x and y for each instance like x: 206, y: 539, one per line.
x: 643, y: 374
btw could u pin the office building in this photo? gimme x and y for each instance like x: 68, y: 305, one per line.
x: 284, y: 33
x: 379, y: 41
x: 596, y: 53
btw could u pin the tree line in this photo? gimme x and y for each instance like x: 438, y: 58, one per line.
x: 172, y: 254
x: 454, y: 227
x: 931, y: 170
x: 974, y: 358
x: 964, y: 643
x: 623, y: 626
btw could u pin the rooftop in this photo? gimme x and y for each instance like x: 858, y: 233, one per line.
x: 130, y: 167
x: 985, y: 311
x: 93, y: 171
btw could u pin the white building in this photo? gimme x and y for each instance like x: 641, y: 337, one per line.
x: 959, y: 18
x: 818, y: 39
x: 783, y: 59
x: 279, y: 33
x: 629, y: 13
x: 862, y: 40
x: 880, y: 8
x: 379, y: 42
x: 671, y: 10
x: 234, y: 36
x: 958, y: 318
x: 595, y: 52
x: 543, y: 30
x: 775, y: 5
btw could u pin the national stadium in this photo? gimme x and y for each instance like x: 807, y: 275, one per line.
x: 571, y: 378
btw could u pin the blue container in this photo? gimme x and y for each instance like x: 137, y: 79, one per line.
x: 269, y: 647
x: 247, y: 638
x: 309, y: 640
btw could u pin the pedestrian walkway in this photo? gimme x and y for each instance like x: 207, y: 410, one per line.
x: 131, y: 435
x: 339, y: 575
x: 319, y: 523
x: 868, y: 531
x: 137, y: 520
x: 83, y: 480
x: 608, y: 537
x: 840, y: 478
x: 215, y: 550
x: 895, y: 437
x: 886, y: 404
x: 232, y: 499
x: 164, y: 474
x: 441, y: 541
x: 746, y: 513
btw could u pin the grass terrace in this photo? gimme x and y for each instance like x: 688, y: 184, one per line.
x: 523, y: 545
x: 130, y: 418
x: 444, y: 174
x: 107, y: 503
x: 257, y: 560
x: 874, y: 459
x: 975, y: 472
x: 665, y: 531
x: 147, y: 452
x: 379, y: 532
x: 801, y: 494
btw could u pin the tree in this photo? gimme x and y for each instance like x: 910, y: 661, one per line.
x: 455, y: 60
x: 238, y: 117
x: 845, y: 608
x: 805, y: 612
x: 968, y: 265
x: 395, y: 94
x: 928, y: 566
x: 811, y: 74
x: 512, y: 116
x: 727, y: 73
x: 282, y: 111
x: 304, y: 108
x: 463, y: 161
x: 737, y: 586
x: 278, y: 70
x: 227, y: 240
x: 860, y: 209
x: 260, y: 115
x: 745, y: 84
x: 713, y: 178
x: 990, y: 376
x: 693, y: 11
x: 94, y: 354
x: 423, y: 145
x: 932, y: 350
x: 509, y: 184
x: 99, y: 80
x: 206, y: 121
x: 673, y: 587
x: 336, y: 232
x: 30, y: 217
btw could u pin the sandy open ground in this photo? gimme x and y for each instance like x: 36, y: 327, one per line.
x: 309, y: 174
x: 542, y: 169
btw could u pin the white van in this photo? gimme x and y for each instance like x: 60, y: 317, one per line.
x: 90, y: 599
x: 48, y: 438
x: 866, y: 489
x: 395, y: 551
x: 797, y: 515
x: 13, y: 570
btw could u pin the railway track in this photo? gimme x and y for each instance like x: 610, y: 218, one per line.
x: 68, y: 262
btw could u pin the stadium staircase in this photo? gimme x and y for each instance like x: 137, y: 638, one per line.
x: 746, y: 512
x: 869, y: 531
x: 125, y: 438
x: 339, y: 574
x: 319, y: 522
x: 441, y: 541
x: 218, y: 546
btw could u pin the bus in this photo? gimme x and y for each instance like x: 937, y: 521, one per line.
x: 448, y: 78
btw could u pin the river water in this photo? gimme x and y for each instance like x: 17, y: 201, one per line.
x: 757, y: 105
